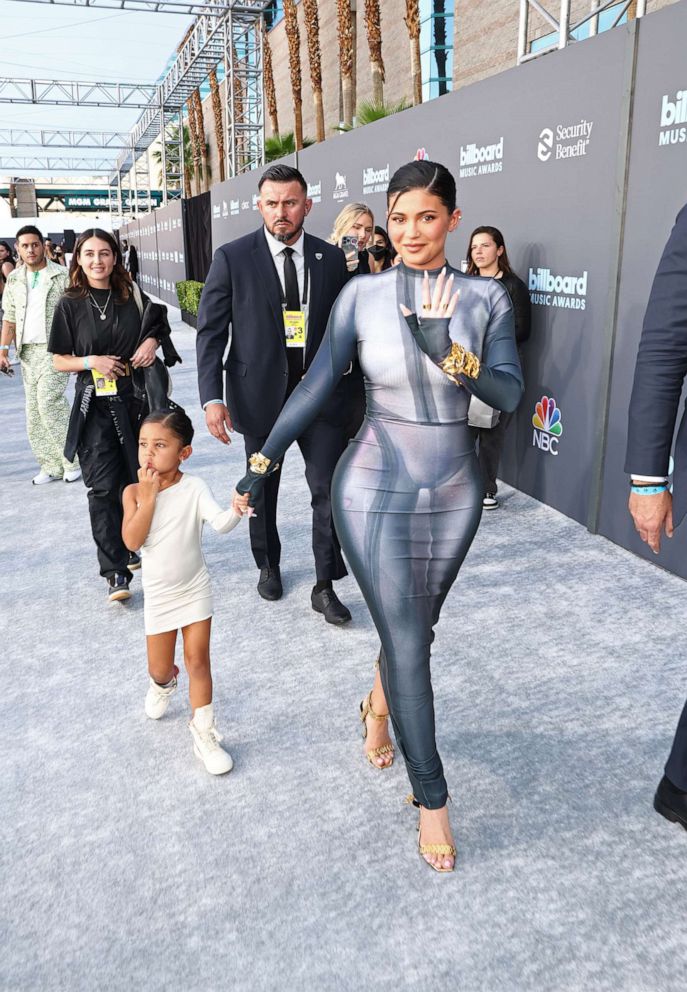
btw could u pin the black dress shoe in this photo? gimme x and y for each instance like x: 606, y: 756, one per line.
x: 328, y: 603
x: 269, y: 583
x: 671, y: 802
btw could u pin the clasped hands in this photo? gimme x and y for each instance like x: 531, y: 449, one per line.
x: 430, y: 330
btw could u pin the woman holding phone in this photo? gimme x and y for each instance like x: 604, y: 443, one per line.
x: 353, y: 233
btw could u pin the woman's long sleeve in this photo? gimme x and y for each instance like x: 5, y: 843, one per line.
x: 333, y: 358
x: 499, y: 383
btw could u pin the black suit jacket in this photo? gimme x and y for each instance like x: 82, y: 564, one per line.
x: 660, y: 371
x: 243, y: 290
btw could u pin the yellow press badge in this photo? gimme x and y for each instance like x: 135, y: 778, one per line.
x: 103, y: 385
x: 294, y: 328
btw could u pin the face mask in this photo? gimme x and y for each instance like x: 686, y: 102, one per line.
x: 377, y: 251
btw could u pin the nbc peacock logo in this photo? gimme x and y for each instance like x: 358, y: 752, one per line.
x: 548, y: 425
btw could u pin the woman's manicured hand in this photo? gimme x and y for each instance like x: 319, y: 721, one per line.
x: 111, y: 366
x: 430, y: 329
x: 144, y: 355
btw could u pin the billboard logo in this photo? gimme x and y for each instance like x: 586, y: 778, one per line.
x: 673, y: 114
x: 234, y: 207
x: 477, y: 160
x: 545, y: 145
x: 567, y: 141
x: 340, y: 187
x: 216, y: 211
x: 315, y: 192
x: 256, y: 200
x: 549, y: 290
x: 375, y: 180
x: 547, y: 424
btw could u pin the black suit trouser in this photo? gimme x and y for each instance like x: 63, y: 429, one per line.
x: 106, y: 472
x: 321, y: 445
x: 676, y: 767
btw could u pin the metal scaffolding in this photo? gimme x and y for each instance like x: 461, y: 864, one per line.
x: 42, y: 138
x: 224, y: 34
x: 178, y: 7
x: 564, y: 26
x: 37, y: 163
x: 232, y: 38
x: 76, y: 94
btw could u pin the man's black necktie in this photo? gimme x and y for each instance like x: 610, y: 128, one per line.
x: 293, y: 298
x: 294, y: 356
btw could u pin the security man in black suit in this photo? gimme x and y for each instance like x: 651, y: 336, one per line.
x: 659, y: 375
x: 275, y: 288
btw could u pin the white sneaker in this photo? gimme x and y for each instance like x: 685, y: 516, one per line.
x: 43, y: 478
x: 490, y: 502
x: 206, y: 742
x: 158, y: 698
x: 72, y: 476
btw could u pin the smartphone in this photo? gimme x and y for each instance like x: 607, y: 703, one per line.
x: 349, y: 245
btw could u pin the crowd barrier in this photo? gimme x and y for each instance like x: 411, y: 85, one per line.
x: 580, y: 158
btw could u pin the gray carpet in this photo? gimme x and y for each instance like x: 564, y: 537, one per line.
x: 559, y: 674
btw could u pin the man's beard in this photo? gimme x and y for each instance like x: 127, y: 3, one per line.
x: 286, y: 235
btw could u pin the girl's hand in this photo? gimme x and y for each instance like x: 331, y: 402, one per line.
x: 144, y: 356
x: 148, y: 483
x: 111, y: 366
x: 239, y: 504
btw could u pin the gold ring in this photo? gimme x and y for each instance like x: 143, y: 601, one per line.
x: 426, y: 306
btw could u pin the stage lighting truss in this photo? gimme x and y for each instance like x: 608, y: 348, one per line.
x: 226, y: 34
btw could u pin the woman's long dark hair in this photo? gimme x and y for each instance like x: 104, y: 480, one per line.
x: 9, y: 252
x: 497, y: 238
x: 430, y: 176
x: 120, y: 280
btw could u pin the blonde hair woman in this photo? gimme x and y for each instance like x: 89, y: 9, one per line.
x: 357, y: 221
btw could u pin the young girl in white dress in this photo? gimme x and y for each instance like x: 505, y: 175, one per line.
x: 164, y: 513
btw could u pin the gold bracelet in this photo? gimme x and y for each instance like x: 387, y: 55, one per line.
x: 258, y: 463
x: 459, y: 361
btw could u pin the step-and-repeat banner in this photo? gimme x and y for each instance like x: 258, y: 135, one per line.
x: 171, y: 265
x: 540, y: 152
x: 657, y: 190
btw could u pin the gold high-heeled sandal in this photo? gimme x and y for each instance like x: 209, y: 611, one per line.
x: 376, y: 752
x: 445, y: 850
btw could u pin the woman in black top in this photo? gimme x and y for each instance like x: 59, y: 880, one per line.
x: 105, y: 330
x: 380, y: 251
x: 487, y: 256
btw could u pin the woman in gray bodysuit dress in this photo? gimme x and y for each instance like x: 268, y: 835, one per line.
x: 407, y: 492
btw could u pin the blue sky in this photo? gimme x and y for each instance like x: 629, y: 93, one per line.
x: 49, y: 42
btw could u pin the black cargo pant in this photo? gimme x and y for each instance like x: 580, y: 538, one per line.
x: 105, y: 456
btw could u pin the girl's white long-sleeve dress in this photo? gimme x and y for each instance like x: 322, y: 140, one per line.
x: 176, y: 583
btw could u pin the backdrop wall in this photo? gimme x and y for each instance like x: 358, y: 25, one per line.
x: 580, y: 158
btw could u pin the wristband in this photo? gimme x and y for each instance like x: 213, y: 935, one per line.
x: 648, y: 490
x: 86, y: 363
x: 4, y: 347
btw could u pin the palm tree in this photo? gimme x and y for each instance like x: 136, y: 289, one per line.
x: 412, y: 20
x: 368, y: 112
x: 172, y: 157
x: 346, y: 58
x: 200, y: 145
x: 373, y: 26
x: 294, y: 40
x: 268, y: 76
x: 219, y: 121
x: 312, y: 29
x: 281, y: 145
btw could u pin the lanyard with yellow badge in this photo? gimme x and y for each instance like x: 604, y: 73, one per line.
x: 295, y: 320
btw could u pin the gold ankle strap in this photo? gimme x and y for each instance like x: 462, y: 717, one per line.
x: 370, y: 712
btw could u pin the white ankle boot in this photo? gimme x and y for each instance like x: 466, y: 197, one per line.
x: 158, y: 697
x: 206, y: 742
